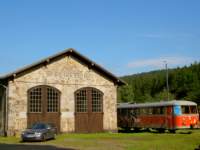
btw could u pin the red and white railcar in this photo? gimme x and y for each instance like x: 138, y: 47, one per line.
x: 170, y: 115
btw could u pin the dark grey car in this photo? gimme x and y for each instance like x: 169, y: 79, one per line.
x: 39, y: 132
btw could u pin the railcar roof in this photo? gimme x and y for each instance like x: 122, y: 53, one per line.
x: 156, y: 104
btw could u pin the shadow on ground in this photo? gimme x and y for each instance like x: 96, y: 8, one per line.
x: 154, y: 131
x: 133, y: 131
x: 30, y: 147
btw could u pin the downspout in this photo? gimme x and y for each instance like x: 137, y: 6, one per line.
x: 6, y: 110
x: 6, y: 120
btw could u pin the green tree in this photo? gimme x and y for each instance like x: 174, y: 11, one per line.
x: 184, y: 83
x: 126, y: 94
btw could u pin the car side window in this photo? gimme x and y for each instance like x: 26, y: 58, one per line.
x: 48, y: 126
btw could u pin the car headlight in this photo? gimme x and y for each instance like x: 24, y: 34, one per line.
x: 38, y: 134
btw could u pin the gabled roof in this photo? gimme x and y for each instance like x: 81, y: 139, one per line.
x: 68, y: 52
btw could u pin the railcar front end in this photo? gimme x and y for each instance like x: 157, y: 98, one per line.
x: 185, y: 116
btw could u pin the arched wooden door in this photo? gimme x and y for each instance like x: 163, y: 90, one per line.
x: 44, y: 105
x: 89, y: 110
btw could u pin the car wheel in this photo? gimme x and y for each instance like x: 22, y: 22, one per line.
x: 43, y: 138
x: 172, y: 131
x: 54, y: 136
x: 161, y: 130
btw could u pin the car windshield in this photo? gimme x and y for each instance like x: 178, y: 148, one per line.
x: 39, y: 126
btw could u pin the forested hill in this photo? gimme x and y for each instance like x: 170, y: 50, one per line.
x: 184, y: 83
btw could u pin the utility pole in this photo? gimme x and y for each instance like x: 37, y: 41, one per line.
x: 167, y: 79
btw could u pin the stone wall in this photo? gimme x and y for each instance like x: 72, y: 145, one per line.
x: 67, y: 75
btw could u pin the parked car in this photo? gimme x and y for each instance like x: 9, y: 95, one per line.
x: 39, y: 132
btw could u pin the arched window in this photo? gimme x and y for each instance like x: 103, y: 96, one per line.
x: 43, y: 99
x: 89, y: 99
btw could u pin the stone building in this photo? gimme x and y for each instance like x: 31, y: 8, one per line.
x: 67, y: 89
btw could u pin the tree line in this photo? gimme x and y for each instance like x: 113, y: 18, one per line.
x: 184, y: 84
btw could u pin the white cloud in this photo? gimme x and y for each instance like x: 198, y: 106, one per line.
x: 159, y: 62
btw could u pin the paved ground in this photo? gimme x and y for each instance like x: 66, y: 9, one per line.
x: 29, y: 147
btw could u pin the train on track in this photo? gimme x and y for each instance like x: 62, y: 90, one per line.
x: 165, y: 115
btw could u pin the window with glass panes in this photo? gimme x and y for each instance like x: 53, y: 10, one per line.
x: 96, y: 101
x: 35, y: 100
x: 43, y: 98
x: 52, y: 100
x: 81, y: 101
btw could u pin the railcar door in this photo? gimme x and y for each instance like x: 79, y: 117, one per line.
x: 169, y: 122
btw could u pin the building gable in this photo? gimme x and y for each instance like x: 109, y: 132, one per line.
x: 69, y: 53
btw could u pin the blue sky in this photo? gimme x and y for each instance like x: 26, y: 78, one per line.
x: 124, y: 36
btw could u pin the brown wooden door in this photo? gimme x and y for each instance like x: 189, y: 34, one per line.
x: 89, y: 110
x: 44, y: 105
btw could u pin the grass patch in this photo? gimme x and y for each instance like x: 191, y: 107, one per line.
x: 122, y: 141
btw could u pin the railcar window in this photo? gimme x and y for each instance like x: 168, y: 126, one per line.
x: 132, y: 112
x: 137, y: 111
x: 158, y: 110
x: 193, y: 109
x: 129, y: 112
x: 150, y: 111
x: 142, y: 111
x: 118, y: 112
x: 123, y: 112
x: 162, y: 110
x: 185, y: 109
x: 177, y: 110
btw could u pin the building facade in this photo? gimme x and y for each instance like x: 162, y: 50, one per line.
x: 67, y: 89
